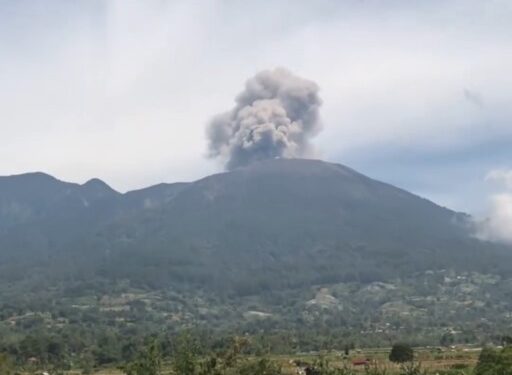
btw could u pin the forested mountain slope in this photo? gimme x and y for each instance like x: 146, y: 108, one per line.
x: 284, y: 223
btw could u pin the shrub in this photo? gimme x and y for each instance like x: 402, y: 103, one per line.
x: 492, y: 362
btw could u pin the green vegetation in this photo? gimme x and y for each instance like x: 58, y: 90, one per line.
x: 6, y: 366
x: 434, y: 308
x: 147, y: 362
x: 401, y: 353
x: 495, y: 362
x: 229, y: 361
x: 189, y: 353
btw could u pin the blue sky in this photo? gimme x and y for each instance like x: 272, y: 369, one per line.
x: 415, y: 93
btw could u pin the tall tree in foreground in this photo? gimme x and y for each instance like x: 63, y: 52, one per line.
x: 6, y: 367
x: 494, y: 362
x: 185, y: 356
x: 403, y: 354
x: 148, y: 362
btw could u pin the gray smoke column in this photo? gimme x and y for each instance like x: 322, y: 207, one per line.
x: 274, y: 117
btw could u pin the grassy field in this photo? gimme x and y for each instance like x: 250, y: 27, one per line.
x: 431, y: 359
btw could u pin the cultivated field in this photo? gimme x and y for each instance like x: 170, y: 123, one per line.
x: 431, y: 359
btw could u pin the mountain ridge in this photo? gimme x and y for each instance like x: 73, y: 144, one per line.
x: 293, y: 221
x: 277, y: 245
x: 96, y: 181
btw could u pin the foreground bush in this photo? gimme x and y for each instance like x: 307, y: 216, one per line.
x: 495, y: 362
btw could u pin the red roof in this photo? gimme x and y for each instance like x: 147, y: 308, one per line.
x: 360, y: 362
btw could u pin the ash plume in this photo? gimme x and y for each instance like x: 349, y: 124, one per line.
x: 275, y: 116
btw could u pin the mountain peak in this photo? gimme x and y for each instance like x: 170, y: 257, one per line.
x: 35, y: 176
x: 97, y: 183
x: 300, y: 166
x: 98, y: 187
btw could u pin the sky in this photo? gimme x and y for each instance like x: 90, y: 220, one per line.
x: 414, y: 93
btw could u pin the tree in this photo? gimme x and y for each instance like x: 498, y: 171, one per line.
x: 487, y: 362
x: 493, y: 362
x: 6, y: 367
x: 185, y: 361
x: 261, y: 366
x: 447, y: 339
x: 506, y: 340
x: 148, y: 362
x: 401, y: 353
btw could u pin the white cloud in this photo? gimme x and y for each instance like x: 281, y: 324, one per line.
x: 500, y: 176
x: 498, y: 224
x: 123, y: 90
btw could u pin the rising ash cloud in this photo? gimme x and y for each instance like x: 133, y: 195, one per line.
x: 275, y: 116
